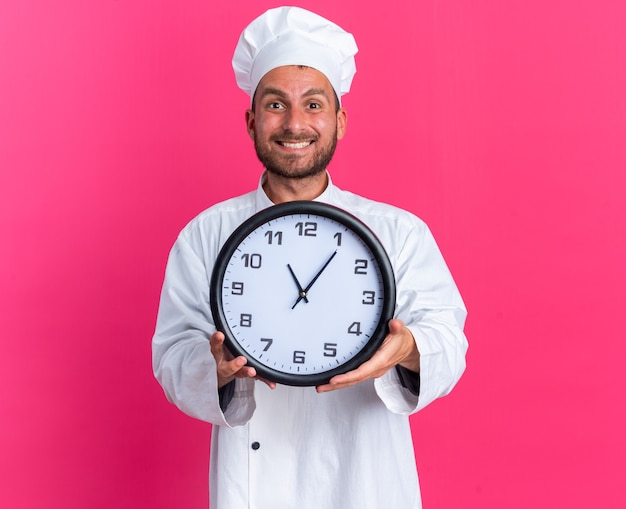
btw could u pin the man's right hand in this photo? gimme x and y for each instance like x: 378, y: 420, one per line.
x: 229, y: 368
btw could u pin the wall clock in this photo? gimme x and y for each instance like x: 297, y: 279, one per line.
x: 303, y: 290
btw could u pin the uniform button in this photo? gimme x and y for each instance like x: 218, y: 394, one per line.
x: 255, y: 446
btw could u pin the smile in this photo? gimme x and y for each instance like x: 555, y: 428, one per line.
x: 295, y: 145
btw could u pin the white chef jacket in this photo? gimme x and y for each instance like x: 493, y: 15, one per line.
x: 292, y: 447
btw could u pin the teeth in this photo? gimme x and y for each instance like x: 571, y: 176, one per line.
x: 302, y: 144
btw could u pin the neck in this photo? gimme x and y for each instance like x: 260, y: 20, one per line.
x: 281, y: 189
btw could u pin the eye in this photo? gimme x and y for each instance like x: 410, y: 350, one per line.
x: 274, y: 105
x: 315, y: 106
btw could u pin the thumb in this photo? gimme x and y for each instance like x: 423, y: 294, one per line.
x: 217, y: 342
x: 395, y: 326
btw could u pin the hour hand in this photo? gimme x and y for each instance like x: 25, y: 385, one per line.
x: 301, y: 292
x: 304, y: 292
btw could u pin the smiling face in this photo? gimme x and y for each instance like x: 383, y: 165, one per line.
x: 295, y: 123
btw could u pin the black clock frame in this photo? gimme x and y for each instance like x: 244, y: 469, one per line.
x: 331, y: 212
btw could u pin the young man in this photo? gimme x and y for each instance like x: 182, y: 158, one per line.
x: 346, y: 444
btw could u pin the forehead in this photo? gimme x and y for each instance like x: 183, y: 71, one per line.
x: 294, y: 80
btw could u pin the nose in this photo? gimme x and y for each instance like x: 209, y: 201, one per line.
x: 294, y: 120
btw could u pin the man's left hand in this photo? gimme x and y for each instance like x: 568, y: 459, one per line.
x: 398, y: 348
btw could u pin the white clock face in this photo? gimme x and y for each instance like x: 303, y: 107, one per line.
x: 303, y: 294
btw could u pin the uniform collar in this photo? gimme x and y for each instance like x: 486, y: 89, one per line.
x: 263, y: 201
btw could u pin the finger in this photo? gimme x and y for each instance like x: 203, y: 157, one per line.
x: 228, y: 369
x: 364, y: 372
x: 329, y: 387
x: 218, y: 349
x: 217, y: 344
x: 270, y: 384
x: 395, y: 326
x: 335, y: 385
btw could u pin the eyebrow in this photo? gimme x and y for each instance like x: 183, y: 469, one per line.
x: 280, y: 93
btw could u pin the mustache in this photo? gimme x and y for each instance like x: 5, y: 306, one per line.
x: 291, y: 136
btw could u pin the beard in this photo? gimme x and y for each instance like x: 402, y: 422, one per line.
x: 291, y: 165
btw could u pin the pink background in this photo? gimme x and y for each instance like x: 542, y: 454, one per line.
x: 502, y: 124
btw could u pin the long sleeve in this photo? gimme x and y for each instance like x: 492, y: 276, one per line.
x: 182, y: 358
x: 431, y: 307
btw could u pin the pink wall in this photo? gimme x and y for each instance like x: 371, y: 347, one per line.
x: 502, y: 124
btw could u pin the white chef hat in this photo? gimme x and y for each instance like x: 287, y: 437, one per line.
x: 294, y: 36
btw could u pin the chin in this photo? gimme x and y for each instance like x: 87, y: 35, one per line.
x: 298, y: 174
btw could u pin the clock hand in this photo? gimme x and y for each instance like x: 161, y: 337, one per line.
x: 303, y: 293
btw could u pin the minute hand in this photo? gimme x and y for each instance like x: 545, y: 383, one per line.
x: 303, y: 294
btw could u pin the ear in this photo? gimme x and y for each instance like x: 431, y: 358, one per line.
x: 342, y: 122
x: 250, y: 123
